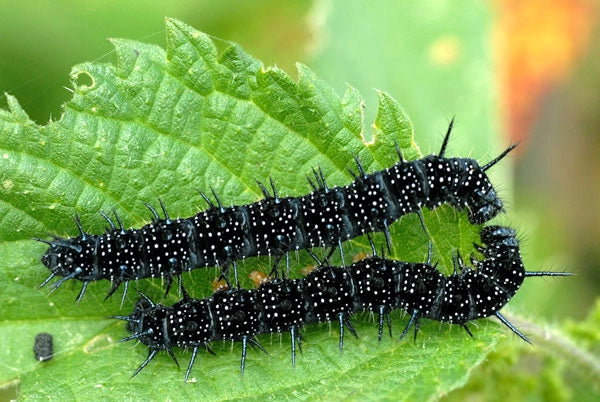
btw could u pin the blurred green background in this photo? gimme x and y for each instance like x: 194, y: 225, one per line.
x: 533, y: 65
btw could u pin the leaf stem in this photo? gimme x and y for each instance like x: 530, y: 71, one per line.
x: 560, y: 343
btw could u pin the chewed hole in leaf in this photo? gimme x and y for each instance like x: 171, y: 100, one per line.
x: 83, y: 80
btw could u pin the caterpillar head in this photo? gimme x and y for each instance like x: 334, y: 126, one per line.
x: 483, y: 202
x: 499, y: 235
x: 501, y: 243
x: 147, y: 325
x: 144, y: 316
x: 462, y: 183
x: 483, y: 206
x: 70, y: 258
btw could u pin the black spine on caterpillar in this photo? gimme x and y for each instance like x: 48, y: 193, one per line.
x: 333, y: 294
x: 275, y: 225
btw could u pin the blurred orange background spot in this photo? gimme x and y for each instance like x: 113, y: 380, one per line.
x: 538, y: 43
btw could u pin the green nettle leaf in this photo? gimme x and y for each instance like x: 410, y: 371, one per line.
x: 164, y: 124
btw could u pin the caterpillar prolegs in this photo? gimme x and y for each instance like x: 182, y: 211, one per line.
x: 334, y: 294
x: 275, y: 226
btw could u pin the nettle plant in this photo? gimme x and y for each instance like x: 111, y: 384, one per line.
x: 161, y: 124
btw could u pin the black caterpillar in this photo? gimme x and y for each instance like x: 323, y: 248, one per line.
x: 274, y: 226
x: 334, y: 294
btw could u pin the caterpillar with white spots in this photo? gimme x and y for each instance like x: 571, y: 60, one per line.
x: 330, y: 294
x: 274, y: 226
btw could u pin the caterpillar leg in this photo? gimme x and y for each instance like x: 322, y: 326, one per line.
x: 168, y: 283
x: 225, y: 275
x: 345, y: 323
x: 275, y: 270
x: 414, y: 319
x: 380, y: 317
x: 296, y: 340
